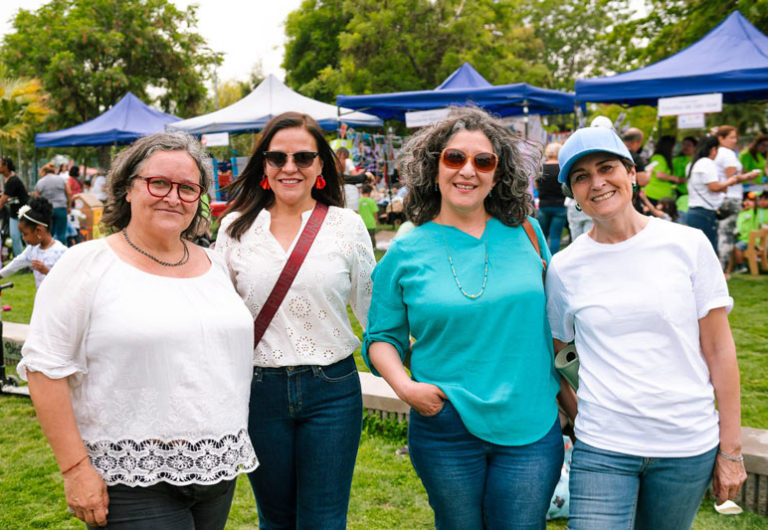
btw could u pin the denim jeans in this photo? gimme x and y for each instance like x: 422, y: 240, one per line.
x: 552, y: 220
x: 59, y: 225
x: 164, y: 506
x: 17, y: 245
x: 473, y: 484
x: 615, y: 490
x: 704, y: 220
x: 305, y: 424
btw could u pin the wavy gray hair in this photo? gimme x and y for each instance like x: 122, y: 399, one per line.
x: 117, y: 211
x: 519, y: 160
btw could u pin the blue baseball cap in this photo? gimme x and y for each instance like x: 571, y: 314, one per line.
x: 586, y: 141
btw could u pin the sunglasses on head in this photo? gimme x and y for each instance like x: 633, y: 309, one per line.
x: 302, y: 159
x: 456, y: 159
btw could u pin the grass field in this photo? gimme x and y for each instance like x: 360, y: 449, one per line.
x: 386, y: 492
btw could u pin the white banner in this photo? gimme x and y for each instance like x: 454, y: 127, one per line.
x: 215, y: 139
x: 691, y: 121
x: 422, y: 118
x: 700, y: 103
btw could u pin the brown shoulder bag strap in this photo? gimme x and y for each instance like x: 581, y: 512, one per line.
x: 529, y: 230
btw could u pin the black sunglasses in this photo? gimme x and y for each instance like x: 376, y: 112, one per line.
x: 302, y: 159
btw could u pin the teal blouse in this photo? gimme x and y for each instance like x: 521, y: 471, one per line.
x: 492, y: 356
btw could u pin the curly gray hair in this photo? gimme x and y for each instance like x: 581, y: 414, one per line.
x: 519, y: 161
x: 117, y: 211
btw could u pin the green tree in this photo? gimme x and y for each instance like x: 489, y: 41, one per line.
x: 573, y: 36
x: 89, y: 53
x: 22, y: 106
x: 406, y: 44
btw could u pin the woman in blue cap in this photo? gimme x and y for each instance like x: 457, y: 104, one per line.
x: 646, y: 303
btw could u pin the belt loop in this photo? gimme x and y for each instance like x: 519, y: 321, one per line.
x: 316, y: 370
x: 258, y: 373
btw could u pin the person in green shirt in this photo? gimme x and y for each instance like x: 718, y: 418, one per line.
x: 753, y: 157
x: 746, y: 222
x: 369, y: 211
x: 662, y: 183
x: 762, y: 210
x: 681, y: 161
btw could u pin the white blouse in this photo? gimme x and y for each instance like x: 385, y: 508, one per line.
x: 311, y: 325
x: 159, y: 368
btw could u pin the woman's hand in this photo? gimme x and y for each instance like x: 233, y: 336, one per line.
x: 86, y: 494
x: 727, y: 478
x: 426, y: 398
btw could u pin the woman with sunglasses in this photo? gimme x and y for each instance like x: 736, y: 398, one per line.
x: 647, y: 306
x: 306, y: 404
x: 466, y: 284
x: 139, y: 352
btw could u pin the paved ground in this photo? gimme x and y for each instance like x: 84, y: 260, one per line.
x: 383, y: 239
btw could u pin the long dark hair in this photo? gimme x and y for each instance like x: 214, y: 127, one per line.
x: 664, y: 148
x: 760, y: 138
x: 702, y: 151
x: 250, y: 198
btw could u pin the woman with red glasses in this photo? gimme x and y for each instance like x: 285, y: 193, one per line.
x: 466, y: 284
x: 297, y: 258
x: 139, y: 353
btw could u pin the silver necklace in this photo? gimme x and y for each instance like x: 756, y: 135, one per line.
x: 182, y: 261
x: 453, y: 269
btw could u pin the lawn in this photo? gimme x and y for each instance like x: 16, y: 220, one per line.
x: 386, y: 492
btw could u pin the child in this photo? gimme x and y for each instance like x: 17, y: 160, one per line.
x: 762, y: 209
x: 42, y: 249
x: 745, y: 223
x: 369, y: 211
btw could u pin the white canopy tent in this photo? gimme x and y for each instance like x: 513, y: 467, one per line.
x: 271, y: 98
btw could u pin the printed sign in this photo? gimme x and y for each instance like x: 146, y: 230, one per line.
x: 691, y: 121
x: 215, y: 139
x: 700, y: 103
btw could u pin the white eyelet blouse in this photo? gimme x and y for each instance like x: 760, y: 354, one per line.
x: 311, y: 326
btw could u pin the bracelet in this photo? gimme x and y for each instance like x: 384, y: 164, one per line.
x: 730, y: 458
x: 73, y: 466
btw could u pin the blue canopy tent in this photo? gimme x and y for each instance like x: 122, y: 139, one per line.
x: 732, y: 59
x: 465, y: 86
x: 128, y: 120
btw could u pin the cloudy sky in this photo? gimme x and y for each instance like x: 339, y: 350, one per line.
x: 246, y: 31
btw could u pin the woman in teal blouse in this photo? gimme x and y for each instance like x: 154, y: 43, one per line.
x: 466, y: 284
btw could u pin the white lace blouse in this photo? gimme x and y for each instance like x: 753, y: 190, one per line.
x: 159, y: 368
x: 311, y: 325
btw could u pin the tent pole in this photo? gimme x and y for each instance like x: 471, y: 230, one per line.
x: 525, y: 119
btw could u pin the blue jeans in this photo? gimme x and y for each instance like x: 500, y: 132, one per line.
x: 552, y: 220
x: 305, y: 424
x: 59, y: 228
x: 17, y: 245
x: 704, y: 220
x: 164, y: 506
x: 615, y: 490
x: 473, y: 484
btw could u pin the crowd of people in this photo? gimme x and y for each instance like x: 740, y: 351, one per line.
x: 462, y: 317
x: 705, y: 184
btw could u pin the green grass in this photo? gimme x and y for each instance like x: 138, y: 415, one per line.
x: 386, y: 492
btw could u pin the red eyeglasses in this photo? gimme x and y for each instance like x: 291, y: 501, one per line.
x: 456, y: 159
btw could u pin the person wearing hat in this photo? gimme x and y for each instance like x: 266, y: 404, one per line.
x: 646, y: 304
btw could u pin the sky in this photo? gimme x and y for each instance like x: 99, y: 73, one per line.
x: 246, y: 31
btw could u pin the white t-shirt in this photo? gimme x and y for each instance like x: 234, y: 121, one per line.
x: 49, y: 256
x: 159, y: 369
x: 699, y: 195
x: 311, y: 325
x: 633, y: 309
x: 97, y: 187
x: 727, y: 158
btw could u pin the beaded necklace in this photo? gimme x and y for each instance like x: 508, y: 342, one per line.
x: 182, y: 261
x: 453, y: 269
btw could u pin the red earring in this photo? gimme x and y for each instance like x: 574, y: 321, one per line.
x: 265, y: 183
x: 320, y: 182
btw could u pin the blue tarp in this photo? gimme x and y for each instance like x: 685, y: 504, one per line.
x: 126, y: 121
x: 462, y: 87
x: 731, y: 59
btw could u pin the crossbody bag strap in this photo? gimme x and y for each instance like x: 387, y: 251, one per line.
x: 288, y: 274
x: 531, y: 233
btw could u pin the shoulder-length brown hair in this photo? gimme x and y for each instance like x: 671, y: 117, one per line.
x: 250, y: 198
x: 519, y: 161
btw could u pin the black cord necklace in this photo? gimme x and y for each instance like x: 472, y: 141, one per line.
x: 182, y: 261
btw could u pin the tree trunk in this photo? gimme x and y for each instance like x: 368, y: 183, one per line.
x: 105, y: 157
